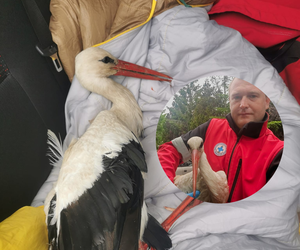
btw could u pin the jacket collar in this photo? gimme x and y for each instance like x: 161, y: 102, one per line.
x: 250, y: 129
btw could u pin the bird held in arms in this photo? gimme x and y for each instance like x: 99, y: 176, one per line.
x: 98, y: 199
x: 212, y: 185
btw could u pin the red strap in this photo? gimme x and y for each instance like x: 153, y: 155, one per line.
x: 169, y: 159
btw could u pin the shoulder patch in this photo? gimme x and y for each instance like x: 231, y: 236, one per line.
x: 220, y: 149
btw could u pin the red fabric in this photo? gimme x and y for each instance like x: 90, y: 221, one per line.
x: 264, y: 23
x: 291, y: 77
x: 169, y: 159
x: 256, y: 154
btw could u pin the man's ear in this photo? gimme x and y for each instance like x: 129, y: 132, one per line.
x: 267, y: 102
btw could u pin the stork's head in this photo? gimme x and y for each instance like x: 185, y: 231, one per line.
x: 196, y: 145
x: 96, y: 62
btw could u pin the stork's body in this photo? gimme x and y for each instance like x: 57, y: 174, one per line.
x: 212, y: 185
x: 97, y: 202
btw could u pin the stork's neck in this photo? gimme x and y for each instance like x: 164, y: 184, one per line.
x: 124, y: 106
x: 205, y: 168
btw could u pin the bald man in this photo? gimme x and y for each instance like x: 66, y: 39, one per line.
x: 241, y: 145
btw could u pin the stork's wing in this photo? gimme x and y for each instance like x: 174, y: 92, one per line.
x: 107, y: 216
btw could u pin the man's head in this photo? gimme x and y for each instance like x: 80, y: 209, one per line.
x: 247, y: 102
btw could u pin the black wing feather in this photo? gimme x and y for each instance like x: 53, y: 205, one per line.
x: 108, y: 215
x: 155, y: 236
x: 52, y: 229
x: 136, y: 155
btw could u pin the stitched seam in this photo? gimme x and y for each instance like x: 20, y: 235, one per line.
x: 164, y: 39
x: 281, y: 95
x: 162, y: 189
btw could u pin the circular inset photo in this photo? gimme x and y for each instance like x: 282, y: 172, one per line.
x: 219, y: 139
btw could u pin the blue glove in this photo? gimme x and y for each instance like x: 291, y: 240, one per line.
x: 196, y: 195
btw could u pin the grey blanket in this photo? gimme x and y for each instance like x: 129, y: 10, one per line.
x: 185, y: 44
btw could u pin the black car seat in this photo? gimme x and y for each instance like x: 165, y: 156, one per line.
x: 32, y: 98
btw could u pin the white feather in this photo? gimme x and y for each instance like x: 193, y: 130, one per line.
x: 55, y: 147
x: 144, y: 219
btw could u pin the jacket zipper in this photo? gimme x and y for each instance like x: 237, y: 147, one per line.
x: 235, y: 180
x: 237, y: 141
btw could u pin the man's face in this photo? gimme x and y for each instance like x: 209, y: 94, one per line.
x: 247, y: 102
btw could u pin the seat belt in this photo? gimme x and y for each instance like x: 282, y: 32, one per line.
x: 46, y: 47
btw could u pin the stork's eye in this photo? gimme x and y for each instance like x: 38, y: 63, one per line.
x: 106, y: 60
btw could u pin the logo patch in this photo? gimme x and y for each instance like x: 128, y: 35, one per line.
x: 220, y: 149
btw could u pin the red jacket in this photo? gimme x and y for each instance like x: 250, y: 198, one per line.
x: 249, y: 156
x: 273, y: 27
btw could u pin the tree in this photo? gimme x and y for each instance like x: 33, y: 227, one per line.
x: 275, y: 124
x: 212, y: 101
x: 161, y: 130
x: 182, y: 109
x: 193, y: 105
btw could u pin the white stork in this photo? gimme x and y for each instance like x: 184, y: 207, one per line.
x: 212, y: 185
x: 97, y: 202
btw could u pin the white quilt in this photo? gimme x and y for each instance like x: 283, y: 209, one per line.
x: 183, y: 43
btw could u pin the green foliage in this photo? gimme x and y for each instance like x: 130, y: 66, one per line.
x: 193, y: 105
x: 274, y: 123
x: 212, y: 101
x: 161, y: 129
x: 276, y: 128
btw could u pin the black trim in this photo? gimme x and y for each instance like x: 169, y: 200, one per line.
x: 251, y: 129
x: 282, y: 55
x: 199, y: 131
x: 235, y: 180
x: 274, y: 165
x: 237, y: 141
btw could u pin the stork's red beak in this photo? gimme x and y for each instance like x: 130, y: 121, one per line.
x: 188, y: 202
x: 133, y: 70
x: 195, y: 162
